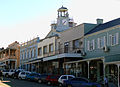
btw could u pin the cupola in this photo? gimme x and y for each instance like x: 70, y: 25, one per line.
x: 63, y: 12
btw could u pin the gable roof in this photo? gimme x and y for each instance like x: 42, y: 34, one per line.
x: 52, y: 31
x: 105, y: 26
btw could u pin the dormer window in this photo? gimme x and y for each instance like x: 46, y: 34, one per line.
x: 70, y: 24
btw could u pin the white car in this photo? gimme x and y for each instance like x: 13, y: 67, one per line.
x: 22, y: 75
x: 64, y: 77
x: 8, y: 73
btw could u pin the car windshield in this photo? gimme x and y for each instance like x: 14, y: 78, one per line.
x: 23, y: 73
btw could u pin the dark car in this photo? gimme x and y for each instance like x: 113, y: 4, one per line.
x: 15, y: 75
x: 52, y: 79
x: 80, y: 82
x: 32, y: 76
x: 41, y: 78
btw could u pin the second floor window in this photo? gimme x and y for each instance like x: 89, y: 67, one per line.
x: 66, y: 47
x: 31, y: 53
x: 114, y: 38
x: 25, y: 55
x: 76, y: 44
x: 91, y: 45
x: 51, y: 48
x: 45, y: 50
x: 101, y: 42
x: 34, y: 52
x: 39, y: 51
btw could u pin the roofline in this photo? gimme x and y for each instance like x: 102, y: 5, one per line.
x: 106, y: 29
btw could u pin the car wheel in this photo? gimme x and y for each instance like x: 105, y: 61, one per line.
x: 48, y: 83
x: 69, y: 86
x: 14, y: 77
x: 39, y: 81
x: 20, y: 78
x: 60, y: 85
x: 6, y: 75
x: 29, y: 79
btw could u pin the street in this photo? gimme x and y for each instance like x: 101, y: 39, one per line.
x: 8, y: 82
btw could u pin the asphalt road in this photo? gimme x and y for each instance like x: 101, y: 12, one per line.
x: 23, y: 83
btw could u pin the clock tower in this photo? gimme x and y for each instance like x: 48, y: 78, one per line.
x: 63, y: 20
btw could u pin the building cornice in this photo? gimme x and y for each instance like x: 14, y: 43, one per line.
x: 105, y: 30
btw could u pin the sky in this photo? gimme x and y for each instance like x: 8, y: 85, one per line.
x: 23, y: 20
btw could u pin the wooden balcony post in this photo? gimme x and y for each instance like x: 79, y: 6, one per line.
x: 9, y: 52
x: 88, y: 68
x: 118, y: 74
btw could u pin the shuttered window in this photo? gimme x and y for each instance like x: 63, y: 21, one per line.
x: 91, y: 45
x: 114, y: 39
x: 101, y: 42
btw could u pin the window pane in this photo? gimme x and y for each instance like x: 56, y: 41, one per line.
x: 45, y: 49
x: 39, y: 51
x: 51, y: 48
x: 76, y: 44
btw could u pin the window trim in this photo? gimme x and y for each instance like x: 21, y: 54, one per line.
x: 89, y: 45
x: 112, y: 37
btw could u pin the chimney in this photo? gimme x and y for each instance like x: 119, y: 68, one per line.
x: 99, y: 21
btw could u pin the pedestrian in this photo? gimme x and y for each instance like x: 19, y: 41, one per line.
x: 106, y: 81
x: 1, y: 75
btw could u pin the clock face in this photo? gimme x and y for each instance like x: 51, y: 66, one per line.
x: 64, y: 22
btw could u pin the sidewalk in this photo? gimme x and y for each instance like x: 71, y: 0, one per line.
x: 3, y: 84
x: 112, y: 85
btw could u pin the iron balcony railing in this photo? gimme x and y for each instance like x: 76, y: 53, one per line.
x: 8, y: 57
x: 63, y: 50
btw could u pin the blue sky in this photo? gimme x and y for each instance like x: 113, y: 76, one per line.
x: 18, y: 10
x: 22, y: 20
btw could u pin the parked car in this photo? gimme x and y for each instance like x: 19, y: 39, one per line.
x: 41, y: 78
x: 80, y: 82
x: 31, y: 76
x: 52, y: 79
x: 15, y: 75
x: 8, y: 73
x: 23, y: 74
x: 63, y: 78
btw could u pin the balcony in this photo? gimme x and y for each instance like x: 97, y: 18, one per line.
x: 69, y: 50
x: 64, y: 52
x: 8, y: 57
